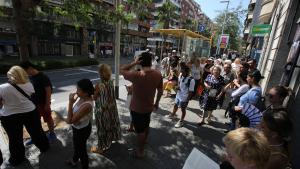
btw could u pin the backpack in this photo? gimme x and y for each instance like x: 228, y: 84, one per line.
x: 261, y: 103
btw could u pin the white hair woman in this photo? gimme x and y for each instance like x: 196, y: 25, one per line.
x: 18, y: 111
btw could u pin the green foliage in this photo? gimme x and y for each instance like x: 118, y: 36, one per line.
x: 1, y: 11
x: 233, y: 26
x: 166, y: 13
x: 140, y: 8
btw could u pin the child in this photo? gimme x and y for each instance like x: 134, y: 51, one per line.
x: 128, y: 101
x: 184, y: 94
x: 171, y: 82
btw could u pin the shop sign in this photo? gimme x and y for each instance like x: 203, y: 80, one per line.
x: 261, y: 30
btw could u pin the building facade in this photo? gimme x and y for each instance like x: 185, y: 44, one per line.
x: 280, y: 58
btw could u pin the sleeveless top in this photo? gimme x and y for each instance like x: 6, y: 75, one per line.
x: 85, y: 120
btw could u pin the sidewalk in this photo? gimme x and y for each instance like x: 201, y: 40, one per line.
x: 167, y: 147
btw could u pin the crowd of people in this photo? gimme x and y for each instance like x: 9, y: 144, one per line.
x: 257, y: 135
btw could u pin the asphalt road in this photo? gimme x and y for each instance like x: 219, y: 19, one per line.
x: 64, y: 80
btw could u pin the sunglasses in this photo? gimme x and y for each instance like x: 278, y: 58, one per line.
x: 270, y: 95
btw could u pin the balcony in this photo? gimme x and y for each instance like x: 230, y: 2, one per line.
x: 250, y: 15
x: 247, y: 30
x: 266, y: 11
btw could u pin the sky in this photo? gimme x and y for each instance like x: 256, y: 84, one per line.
x: 210, y: 7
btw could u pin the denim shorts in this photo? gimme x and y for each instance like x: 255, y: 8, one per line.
x: 180, y: 104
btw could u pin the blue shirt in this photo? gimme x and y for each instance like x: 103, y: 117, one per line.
x: 252, y: 96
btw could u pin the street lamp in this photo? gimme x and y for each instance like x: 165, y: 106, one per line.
x: 219, y: 41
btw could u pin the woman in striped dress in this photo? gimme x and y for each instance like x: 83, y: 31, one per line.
x: 106, y: 112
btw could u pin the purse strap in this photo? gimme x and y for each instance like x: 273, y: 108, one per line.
x: 21, y: 91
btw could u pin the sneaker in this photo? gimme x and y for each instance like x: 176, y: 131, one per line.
x: 28, y: 142
x: 179, y: 124
x: 51, y: 137
x: 170, y: 116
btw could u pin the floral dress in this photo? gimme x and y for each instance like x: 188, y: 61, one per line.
x: 210, y: 102
x: 106, y: 115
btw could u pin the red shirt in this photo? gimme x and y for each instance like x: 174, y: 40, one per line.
x: 144, y: 86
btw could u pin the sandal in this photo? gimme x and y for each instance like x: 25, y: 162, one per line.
x: 97, y: 150
x: 71, y: 163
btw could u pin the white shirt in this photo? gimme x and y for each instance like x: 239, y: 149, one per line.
x: 183, y: 93
x: 85, y: 120
x: 240, y: 91
x: 15, y: 102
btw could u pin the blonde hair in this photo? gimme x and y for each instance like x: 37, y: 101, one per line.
x: 17, y: 75
x: 105, y: 72
x: 249, y: 145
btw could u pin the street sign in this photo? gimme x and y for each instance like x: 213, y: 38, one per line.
x: 261, y: 30
x: 201, y: 28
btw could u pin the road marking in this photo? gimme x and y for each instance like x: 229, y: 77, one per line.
x: 87, y: 70
x: 71, y: 74
x: 95, y: 79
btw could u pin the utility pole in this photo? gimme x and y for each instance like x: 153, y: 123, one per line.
x: 219, y: 39
x: 117, y: 52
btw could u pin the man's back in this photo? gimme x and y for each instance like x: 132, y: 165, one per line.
x: 144, y: 85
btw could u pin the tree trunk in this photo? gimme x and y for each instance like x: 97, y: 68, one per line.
x: 85, y: 45
x: 21, y: 29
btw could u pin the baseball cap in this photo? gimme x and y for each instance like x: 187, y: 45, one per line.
x: 173, y: 51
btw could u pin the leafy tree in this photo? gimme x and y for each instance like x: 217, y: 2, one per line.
x: 232, y: 26
x: 80, y: 13
x: 166, y: 13
x: 140, y: 8
x: 22, y: 10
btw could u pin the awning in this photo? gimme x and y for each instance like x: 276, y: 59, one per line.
x: 180, y: 33
x: 267, y: 11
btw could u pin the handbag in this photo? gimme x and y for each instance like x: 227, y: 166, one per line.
x: 212, y: 92
x: 22, y: 92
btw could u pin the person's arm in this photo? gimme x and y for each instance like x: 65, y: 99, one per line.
x: 83, y: 110
x: 159, y: 94
x: 236, y: 83
x: 96, y: 92
x: 127, y: 67
x: 221, y: 93
x: 48, y: 98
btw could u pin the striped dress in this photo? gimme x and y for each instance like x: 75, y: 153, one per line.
x: 106, y: 115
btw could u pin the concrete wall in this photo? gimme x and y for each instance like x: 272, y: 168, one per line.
x: 277, y: 49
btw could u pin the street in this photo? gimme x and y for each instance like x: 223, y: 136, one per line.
x: 167, y: 148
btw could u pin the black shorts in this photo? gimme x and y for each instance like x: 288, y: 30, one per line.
x: 141, y: 121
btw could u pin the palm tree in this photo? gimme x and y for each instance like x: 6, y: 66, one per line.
x: 141, y: 8
x: 166, y: 13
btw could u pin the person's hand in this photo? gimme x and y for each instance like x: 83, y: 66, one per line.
x: 237, y: 108
x: 208, y: 87
x: 137, y: 61
x: 73, y: 97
